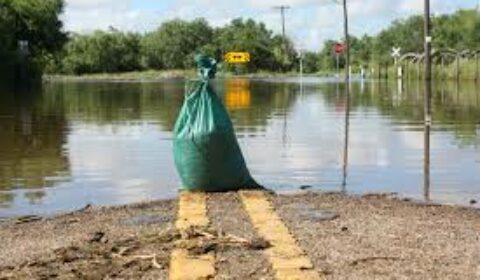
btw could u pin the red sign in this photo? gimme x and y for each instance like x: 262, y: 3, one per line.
x: 339, y: 48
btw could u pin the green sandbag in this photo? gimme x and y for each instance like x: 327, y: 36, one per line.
x: 206, y: 151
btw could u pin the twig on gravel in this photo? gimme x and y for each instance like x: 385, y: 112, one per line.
x: 231, y: 239
x: 146, y: 257
x: 367, y: 259
x: 98, y: 236
x: 27, y: 219
x: 203, y: 233
x: 153, y: 257
x: 122, y: 251
x: 202, y: 240
x: 236, y: 239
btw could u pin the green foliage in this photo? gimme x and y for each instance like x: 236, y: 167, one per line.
x: 36, y: 21
x: 247, y: 36
x: 311, y: 62
x: 285, y: 54
x: 173, y: 46
x: 327, y: 56
x: 458, y: 31
x: 406, y: 34
x: 267, y: 52
x: 104, y: 52
x: 174, y: 43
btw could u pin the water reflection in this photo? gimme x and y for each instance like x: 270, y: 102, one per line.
x: 346, y: 133
x: 428, y: 124
x: 6, y: 199
x: 31, y: 146
x: 426, y: 182
x: 35, y: 197
x: 252, y: 104
x: 237, y: 94
x: 109, y: 143
x: 116, y: 103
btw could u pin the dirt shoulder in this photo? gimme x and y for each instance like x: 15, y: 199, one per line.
x: 371, y: 237
x: 147, y: 75
x: 95, y: 243
x: 374, y: 237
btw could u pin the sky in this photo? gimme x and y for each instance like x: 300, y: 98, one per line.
x: 309, y: 23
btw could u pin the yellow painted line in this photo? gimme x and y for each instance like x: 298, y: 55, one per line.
x: 186, y: 267
x: 192, y: 212
x: 287, y: 259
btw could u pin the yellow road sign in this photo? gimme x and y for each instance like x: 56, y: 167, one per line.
x: 237, y: 57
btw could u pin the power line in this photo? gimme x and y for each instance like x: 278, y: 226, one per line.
x: 282, y: 10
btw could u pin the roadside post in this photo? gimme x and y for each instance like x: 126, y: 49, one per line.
x: 339, y: 48
x: 23, y: 51
x: 300, y: 58
x: 396, y: 54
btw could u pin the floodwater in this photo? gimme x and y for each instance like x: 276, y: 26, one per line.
x: 70, y: 144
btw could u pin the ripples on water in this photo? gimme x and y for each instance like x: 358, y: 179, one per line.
x: 70, y: 144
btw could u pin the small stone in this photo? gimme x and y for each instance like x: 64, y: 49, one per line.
x: 97, y: 237
x: 202, y: 249
x: 305, y: 187
x: 344, y: 229
x: 145, y: 220
x: 259, y: 244
x: 72, y: 221
x: 28, y: 219
x: 473, y: 201
x: 319, y: 215
x: 85, y: 208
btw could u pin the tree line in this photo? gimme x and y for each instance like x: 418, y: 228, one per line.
x: 33, y: 21
x: 457, y: 32
x: 173, y: 46
x: 174, y: 43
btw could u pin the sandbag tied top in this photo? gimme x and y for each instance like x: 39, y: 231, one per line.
x: 206, y: 151
x: 207, y: 66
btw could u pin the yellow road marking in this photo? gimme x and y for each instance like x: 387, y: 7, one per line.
x: 287, y: 259
x: 192, y: 212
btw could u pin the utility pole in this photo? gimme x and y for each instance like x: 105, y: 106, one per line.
x: 347, y: 41
x: 428, y: 42
x: 282, y: 9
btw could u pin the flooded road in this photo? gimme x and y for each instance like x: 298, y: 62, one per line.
x: 70, y: 144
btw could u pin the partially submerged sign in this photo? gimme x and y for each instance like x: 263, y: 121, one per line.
x: 396, y: 52
x: 339, y: 48
x: 237, y: 57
